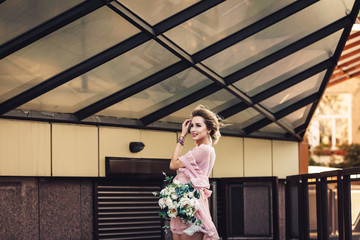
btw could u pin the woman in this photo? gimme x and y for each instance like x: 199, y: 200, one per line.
x: 196, y: 166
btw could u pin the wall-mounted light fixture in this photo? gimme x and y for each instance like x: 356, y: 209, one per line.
x: 136, y: 147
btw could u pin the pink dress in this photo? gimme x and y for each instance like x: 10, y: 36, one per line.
x: 198, y: 164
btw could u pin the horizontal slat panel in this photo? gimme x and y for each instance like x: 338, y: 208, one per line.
x: 127, y: 228
x: 138, y: 203
x: 154, y: 237
x: 126, y: 192
x: 128, y: 212
x: 127, y: 197
x: 103, y: 224
x: 127, y: 207
x: 122, y: 218
x: 130, y: 233
x: 127, y: 187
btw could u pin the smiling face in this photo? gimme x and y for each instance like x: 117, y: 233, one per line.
x: 199, y: 131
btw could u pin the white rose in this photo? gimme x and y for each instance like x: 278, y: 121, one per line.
x: 164, y: 192
x: 191, y: 194
x: 161, y: 203
x: 171, y: 189
x: 177, y: 182
x: 174, y: 196
x: 189, y: 211
x: 185, y: 202
x: 172, y: 212
x: 169, y: 203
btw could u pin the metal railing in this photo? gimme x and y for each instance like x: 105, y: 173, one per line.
x: 324, y: 205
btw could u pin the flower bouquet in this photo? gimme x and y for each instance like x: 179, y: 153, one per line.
x: 179, y: 200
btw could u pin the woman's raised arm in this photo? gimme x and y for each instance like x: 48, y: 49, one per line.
x: 175, y: 163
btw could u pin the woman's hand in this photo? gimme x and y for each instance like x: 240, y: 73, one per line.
x: 185, y: 127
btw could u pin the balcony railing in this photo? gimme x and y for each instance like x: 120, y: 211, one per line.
x: 324, y: 205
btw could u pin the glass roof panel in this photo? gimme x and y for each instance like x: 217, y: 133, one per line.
x: 271, y: 130
x: 217, y: 102
x: 155, y: 11
x: 242, y: 119
x: 103, y: 28
x: 276, y: 37
x: 289, y: 66
x: 293, y: 94
x: 159, y: 95
x: 19, y: 16
x: 221, y: 21
x: 53, y: 54
x: 298, y: 117
x: 106, y: 79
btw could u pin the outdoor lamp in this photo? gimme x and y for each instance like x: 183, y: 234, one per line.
x: 136, y: 147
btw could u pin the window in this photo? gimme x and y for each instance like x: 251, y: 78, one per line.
x: 331, y: 124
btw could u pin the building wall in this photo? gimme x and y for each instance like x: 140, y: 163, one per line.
x: 351, y: 86
x: 46, y: 208
x: 64, y: 150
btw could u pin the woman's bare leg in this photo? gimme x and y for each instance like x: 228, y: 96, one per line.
x: 195, y: 236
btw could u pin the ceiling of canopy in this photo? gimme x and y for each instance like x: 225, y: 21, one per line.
x: 261, y: 65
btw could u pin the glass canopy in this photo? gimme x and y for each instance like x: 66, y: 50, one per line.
x: 261, y: 65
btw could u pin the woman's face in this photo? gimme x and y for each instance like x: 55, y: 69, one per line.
x: 198, y: 129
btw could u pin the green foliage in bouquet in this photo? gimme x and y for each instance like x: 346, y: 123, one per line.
x: 178, y: 200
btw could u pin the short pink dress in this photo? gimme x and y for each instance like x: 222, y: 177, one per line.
x: 198, y: 164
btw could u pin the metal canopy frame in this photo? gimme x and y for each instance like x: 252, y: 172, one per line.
x: 8, y: 108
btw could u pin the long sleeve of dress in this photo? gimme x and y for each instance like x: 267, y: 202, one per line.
x: 198, y: 164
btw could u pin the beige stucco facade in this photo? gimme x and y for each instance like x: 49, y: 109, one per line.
x: 55, y: 149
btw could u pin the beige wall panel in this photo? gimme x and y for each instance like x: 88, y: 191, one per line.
x: 158, y: 144
x: 229, y: 157
x: 114, y: 142
x: 24, y: 148
x: 75, y: 150
x: 257, y: 157
x: 285, y: 158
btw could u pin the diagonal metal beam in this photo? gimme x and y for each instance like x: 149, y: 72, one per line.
x: 130, y: 16
x: 180, y: 104
x: 184, y: 15
x: 300, y: 128
x: 282, y: 113
x: 49, y: 26
x: 257, y: 125
x: 292, y: 81
x: 251, y: 29
x: 277, y: 88
x: 306, y: 41
x: 132, y: 90
x: 168, y: 44
x: 282, y: 53
x: 138, y: 22
x: 167, y: 23
x: 296, y: 106
x: 233, y: 110
x: 73, y: 72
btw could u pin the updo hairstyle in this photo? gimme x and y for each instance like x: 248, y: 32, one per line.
x: 212, y: 121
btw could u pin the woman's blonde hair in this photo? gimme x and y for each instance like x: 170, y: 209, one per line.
x: 212, y: 121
